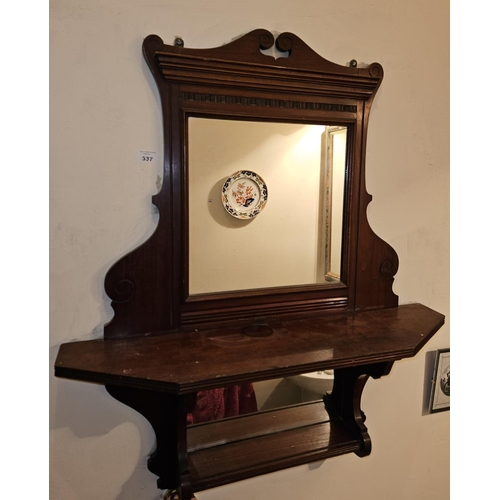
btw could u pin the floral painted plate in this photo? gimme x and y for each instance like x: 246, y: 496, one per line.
x: 244, y: 194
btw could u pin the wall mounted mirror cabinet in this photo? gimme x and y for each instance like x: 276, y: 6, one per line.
x: 263, y: 267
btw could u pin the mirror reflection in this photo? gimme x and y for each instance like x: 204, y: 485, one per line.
x: 333, y: 206
x: 292, y: 390
x: 295, y: 237
x: 226, y: 402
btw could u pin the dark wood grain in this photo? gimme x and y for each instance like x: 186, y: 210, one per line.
x: 148, y: 287
x: 189, y: 362
x: 236, y: 461
x: 167, y: 414
x: 163, y: 345
x: 231, y: 430
x: 242, y: 447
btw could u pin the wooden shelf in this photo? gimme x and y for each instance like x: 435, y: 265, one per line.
x: 183, y: 363
x: 159, y: 376
x: 242, y: 447
x: 154, y: 359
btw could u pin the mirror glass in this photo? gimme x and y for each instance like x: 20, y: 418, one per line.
x: 295, y: 237
x: 232, y: 401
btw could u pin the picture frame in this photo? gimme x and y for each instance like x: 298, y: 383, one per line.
x: 440, y: 391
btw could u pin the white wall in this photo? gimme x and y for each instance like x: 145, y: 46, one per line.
x: 104, y: 107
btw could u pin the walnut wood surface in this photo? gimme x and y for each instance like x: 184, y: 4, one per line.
x: 232, y: 430
x: 148, y: 286
x: 163, y: 345
x: 243, y: 459
x: 189, y: 362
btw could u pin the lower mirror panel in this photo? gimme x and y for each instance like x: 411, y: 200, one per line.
x: 230, y: 450
x: 196, y: 451
x: 236, y: 400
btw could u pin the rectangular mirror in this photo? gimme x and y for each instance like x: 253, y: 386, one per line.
x: 290, y: 238
x: 279, y: 221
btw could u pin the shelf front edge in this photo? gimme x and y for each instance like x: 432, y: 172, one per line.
x: 190, y: 362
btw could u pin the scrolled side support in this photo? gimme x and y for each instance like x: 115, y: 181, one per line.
x: 344, y: 403
x: 167, y: 414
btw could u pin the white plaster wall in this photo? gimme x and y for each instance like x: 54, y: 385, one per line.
x: 104, y: 107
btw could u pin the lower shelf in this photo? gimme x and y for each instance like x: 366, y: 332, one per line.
x: 242, y: 447
x: 160, y: 376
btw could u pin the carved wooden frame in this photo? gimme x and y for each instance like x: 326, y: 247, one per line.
x: 148, y: 287
x: 163, y: 346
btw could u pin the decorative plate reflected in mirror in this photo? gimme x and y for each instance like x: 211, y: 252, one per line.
x: 244, y: 194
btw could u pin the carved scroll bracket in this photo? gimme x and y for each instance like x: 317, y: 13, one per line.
x: 344, y: 403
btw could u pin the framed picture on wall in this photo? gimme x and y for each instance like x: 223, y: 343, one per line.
x: 440, y: 393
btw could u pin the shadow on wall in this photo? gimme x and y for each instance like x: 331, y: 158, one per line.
x: 88, y: 411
